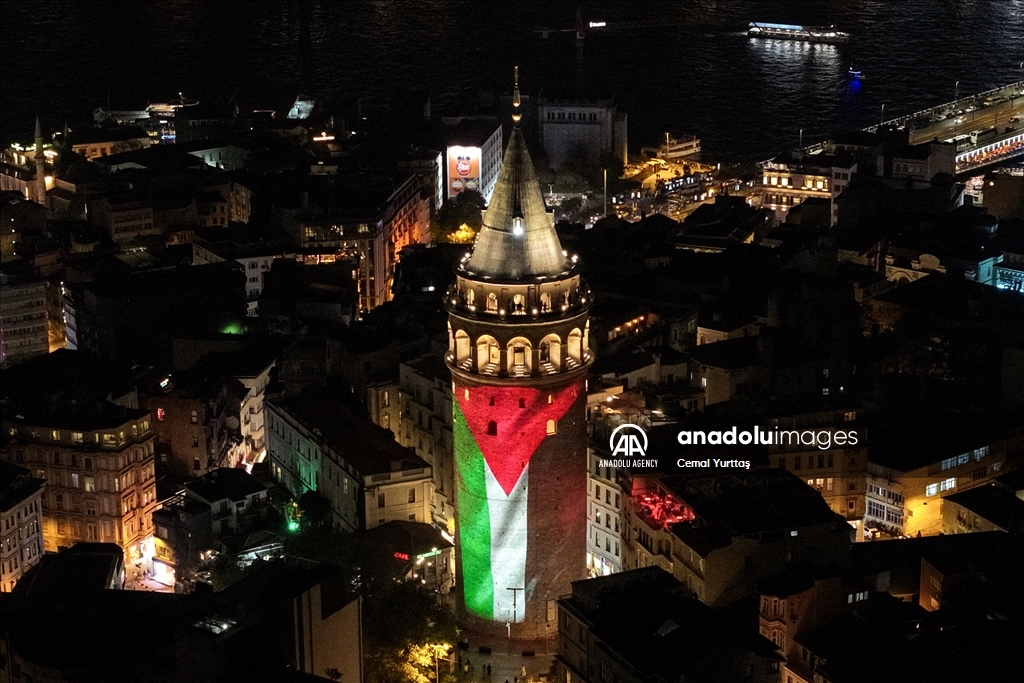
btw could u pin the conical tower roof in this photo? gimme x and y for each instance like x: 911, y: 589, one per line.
x: 518, y: 240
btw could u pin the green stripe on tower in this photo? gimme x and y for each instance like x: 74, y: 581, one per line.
x: 474, y: 520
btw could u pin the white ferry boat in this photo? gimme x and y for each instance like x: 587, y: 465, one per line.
x: 810, y: 34
x: 675, y: 148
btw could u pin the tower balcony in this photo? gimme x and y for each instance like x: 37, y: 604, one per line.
x: 537, y: 299
x: 520, y: 370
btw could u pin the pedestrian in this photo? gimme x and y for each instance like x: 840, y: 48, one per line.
x: 488, y: 670
x: 522, y: 671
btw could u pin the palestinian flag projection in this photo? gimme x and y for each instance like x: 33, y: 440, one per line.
x: 497, y: 431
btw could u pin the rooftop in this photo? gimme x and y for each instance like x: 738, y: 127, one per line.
x: 906, y: 442
x: 745, y: 502
x: 731, y: 354
x: 993, y: 503
x: 18, y: 485
x: 83, y: 567
x: 364, y: 445
x: 517, y: 240
x: 231, y: 483
x: 995, y: 555
x: 471, y: 132
x: 91, y: 136
x: 88, y: 416
x: 431, y: 365
x: 644, y: 618
x: 409, y: 539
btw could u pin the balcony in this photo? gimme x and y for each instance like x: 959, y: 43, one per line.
x: 544, y: 301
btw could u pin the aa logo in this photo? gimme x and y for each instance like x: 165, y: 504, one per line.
x: 628, y: 440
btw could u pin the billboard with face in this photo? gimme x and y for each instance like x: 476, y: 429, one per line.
x: 463, y: 169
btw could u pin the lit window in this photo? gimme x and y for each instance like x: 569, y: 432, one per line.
x: 552, y: 427
x: 931, y: 489
x: 947, y: 484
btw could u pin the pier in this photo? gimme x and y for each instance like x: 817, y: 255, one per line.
x: 987, y: 127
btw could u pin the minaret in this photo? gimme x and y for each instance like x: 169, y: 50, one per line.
x: 39, y: 182
x: 518, y: 353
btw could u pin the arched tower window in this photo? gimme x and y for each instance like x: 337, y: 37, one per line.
x: 492, y: 428
x: 552, y: 427
x: 519, y: 353
x: 470, y: 297
x: 545, y: 302
x: 522, y: 403
x: 551, y: 352
x: 575, y: 344
x: 492, y: 303
x: 488, y: 355
x: 462, y: 347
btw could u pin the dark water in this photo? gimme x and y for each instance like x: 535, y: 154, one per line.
x: 695, y: 73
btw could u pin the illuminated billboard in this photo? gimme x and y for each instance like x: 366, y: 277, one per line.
x: 463, y: 169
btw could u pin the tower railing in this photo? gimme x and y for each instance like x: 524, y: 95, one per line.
x: 528, y: 307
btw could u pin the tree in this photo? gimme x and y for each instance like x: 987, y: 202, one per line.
x: 464, y: 208
x: 572, y: 205
x: 406, y: 631
x: 225, y: 571
x: 314, y: 509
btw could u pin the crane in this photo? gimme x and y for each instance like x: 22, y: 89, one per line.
x: 581, y: 28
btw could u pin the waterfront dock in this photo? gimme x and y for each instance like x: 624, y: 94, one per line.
x: 987, y: 127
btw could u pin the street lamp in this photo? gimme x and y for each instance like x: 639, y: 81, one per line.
x: 883, y: 114
x: 956, y: 119
x: 605, y: 208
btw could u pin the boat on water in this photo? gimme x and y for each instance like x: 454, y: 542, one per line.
x: 119, y: 116
x: 675, y: 148
x: 854, y: 73
x: 168, y: 108
x: 810, y: 34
